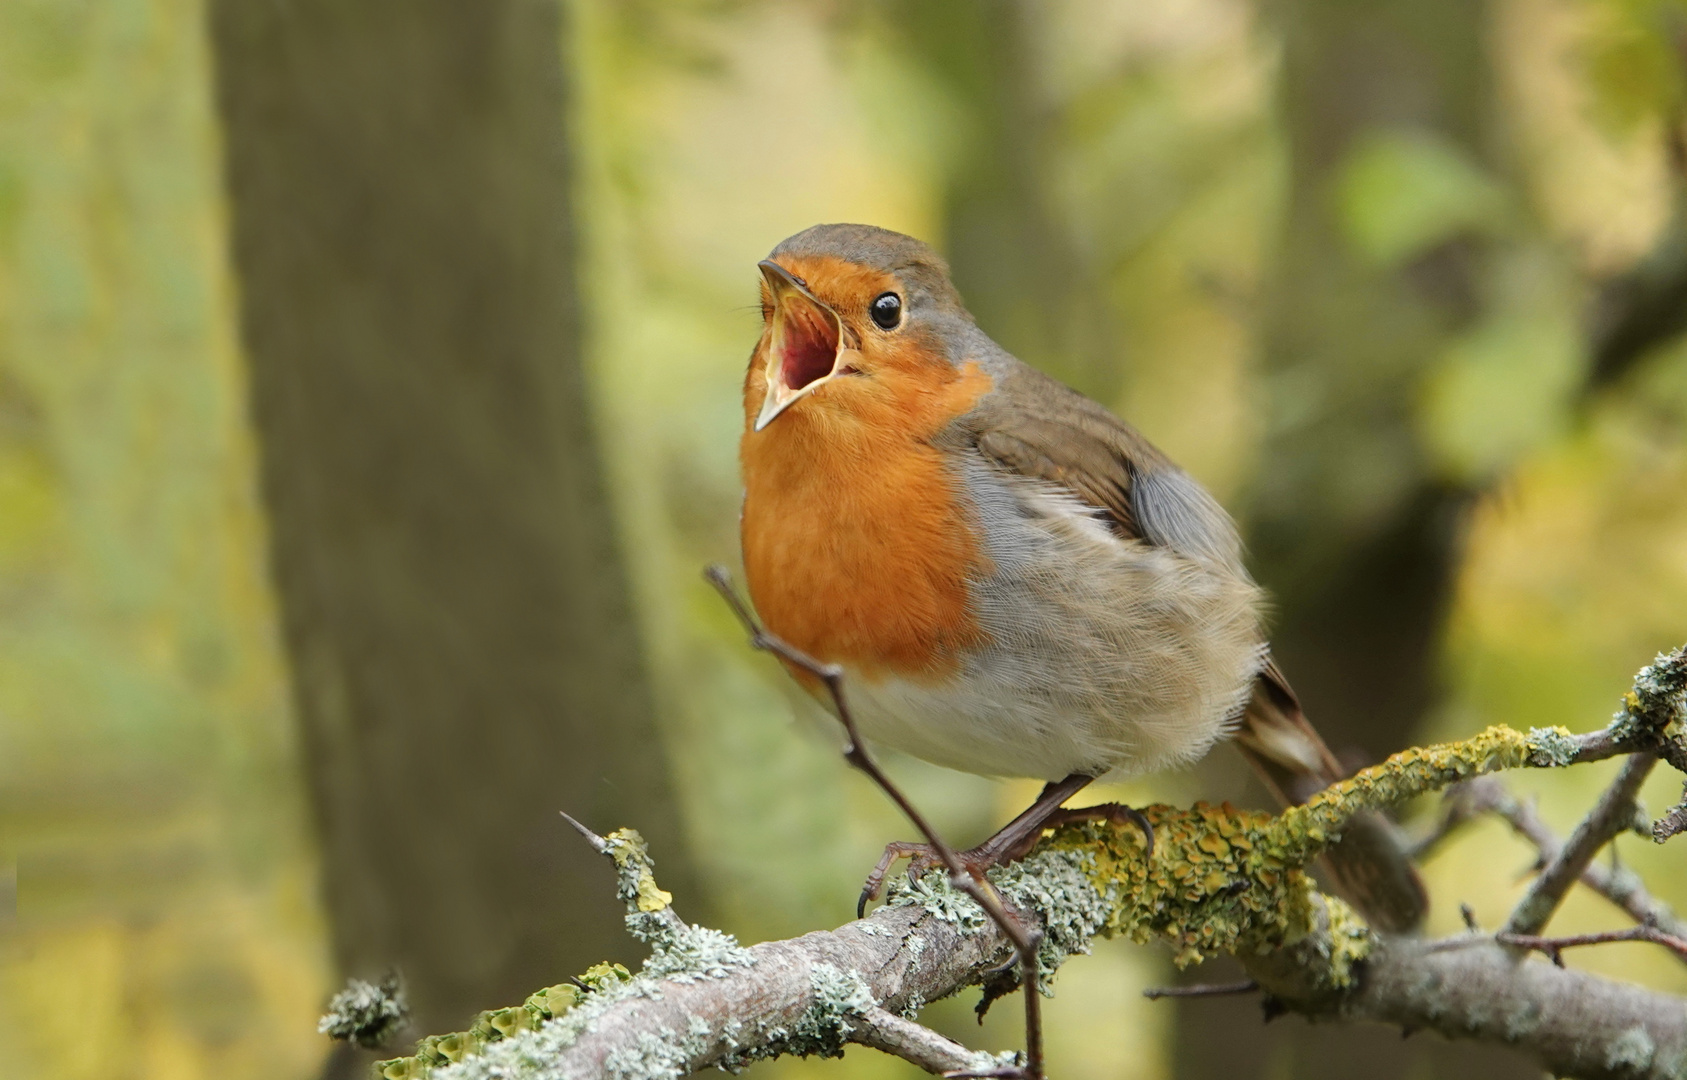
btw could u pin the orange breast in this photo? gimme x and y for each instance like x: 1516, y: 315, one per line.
x: 857, y: 545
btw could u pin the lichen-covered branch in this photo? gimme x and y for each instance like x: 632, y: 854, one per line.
x: 1220, y: 880
x: 1672, y: 823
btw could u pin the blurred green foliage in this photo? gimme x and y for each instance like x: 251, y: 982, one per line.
x: 166, y: 923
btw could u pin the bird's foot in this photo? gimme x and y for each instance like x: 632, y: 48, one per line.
x: 1116, y: 813
x: 921, y: 858
x: 1009, y: 845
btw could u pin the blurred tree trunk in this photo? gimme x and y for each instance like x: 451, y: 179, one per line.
x: 1348, y: 527
x: 1016, y: 266
x: 464, y: 654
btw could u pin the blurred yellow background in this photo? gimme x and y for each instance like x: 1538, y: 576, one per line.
x: 168, y: 918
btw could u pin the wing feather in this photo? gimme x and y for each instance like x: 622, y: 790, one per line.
x: 1034, y: 426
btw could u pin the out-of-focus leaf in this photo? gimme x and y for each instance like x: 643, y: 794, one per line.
x: 1400, y: 193
x: 1498, y: 391
x: 1633, y: 56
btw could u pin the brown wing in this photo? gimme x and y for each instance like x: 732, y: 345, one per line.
x: 1033, y: 426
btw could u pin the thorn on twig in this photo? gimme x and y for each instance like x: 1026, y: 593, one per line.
x: 1199, y: 990
x: 1468, y: 914
x: 1270, y: 1008
x: 599, y: 844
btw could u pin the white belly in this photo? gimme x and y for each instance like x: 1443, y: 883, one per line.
x: 1105, y: 655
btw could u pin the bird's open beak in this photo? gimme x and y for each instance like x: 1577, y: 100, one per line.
x: 807, y: 345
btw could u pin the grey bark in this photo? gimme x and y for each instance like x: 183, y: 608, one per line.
x: 463, y: 649
x: 1570, y: 1022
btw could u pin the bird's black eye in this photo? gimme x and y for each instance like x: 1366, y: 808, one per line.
x: 887, y: 310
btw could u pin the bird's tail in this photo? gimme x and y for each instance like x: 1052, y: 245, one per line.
x: 1369, y: 867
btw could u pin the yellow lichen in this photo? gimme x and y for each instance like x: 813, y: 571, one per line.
x: 489, y: 1027
x: 1229, y: 880
x: 1350, y: 942
x: 632, y: 859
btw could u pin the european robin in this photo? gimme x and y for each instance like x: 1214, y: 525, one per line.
x: 1014, y: 581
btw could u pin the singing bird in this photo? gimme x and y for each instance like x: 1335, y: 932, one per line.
x: 1014, y: 581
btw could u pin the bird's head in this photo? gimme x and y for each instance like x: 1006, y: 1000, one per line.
x: 857, y: 320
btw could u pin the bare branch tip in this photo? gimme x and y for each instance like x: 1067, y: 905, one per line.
x: 599, y: 844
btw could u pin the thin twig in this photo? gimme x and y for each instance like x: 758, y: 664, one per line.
x: 912, y: 1042
x: 1245, y: 986
x: 1025, y: 939
x: 1618, y: 884
x: 1673, y: 822
x: 1552, y: 946
x: 1610, y: 816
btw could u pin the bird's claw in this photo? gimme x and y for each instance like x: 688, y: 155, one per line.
x: 921, y: 858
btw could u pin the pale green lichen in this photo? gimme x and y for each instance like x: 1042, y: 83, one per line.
x: 1058, y: 884
x: 1523, y: 1021
x: 840, y: 998
x: 1657, y: 703
x: 1632, y: 1050
x: 518, y: 1040
x: 365, y: 1014
x: 1554, y: 747
x: 652, y: 1055
x: 933, y: 894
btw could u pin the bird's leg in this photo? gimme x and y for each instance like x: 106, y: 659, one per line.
x: 1012, y: 841
x: 1026, y: 937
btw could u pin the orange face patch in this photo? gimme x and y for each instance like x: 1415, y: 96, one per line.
x: 856, y: 541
